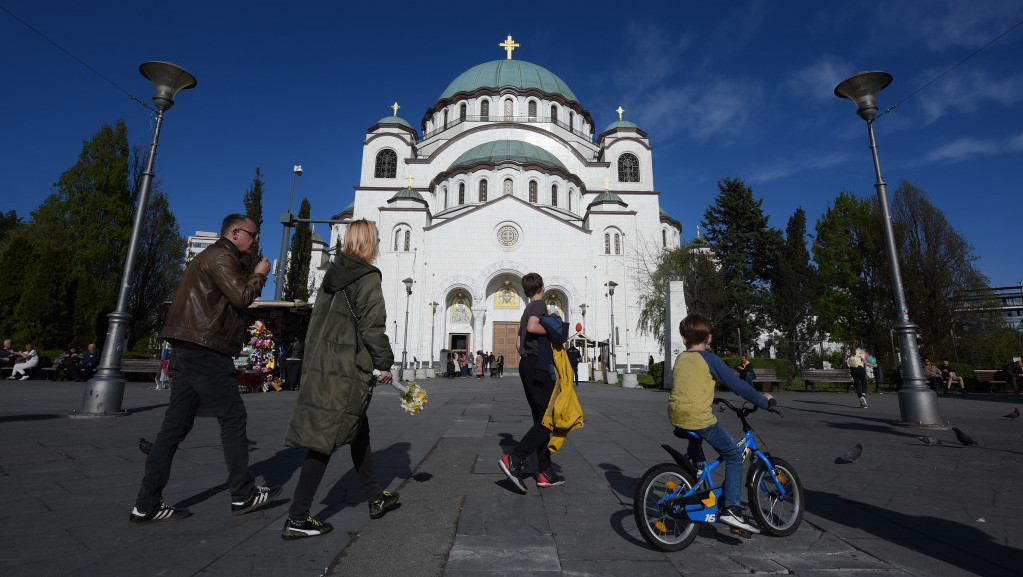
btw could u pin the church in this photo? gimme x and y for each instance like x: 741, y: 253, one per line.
x: 508, y: 174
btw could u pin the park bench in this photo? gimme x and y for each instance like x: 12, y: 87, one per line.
x: 142, y: 367
x: 990, y: 380
x: 768, y: 376
x: 812, y: 376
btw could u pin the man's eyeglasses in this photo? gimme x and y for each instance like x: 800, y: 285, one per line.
x: 254, y: 235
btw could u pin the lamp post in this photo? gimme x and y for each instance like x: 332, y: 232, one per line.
x: 288, y: 220
x: 433, y: 331
x: 611, y: 291
x: 917, y: 402
x: 105, y: 391
x: 586, y: 354
x: 404, y: 343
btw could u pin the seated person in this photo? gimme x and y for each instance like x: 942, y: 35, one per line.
x: 89, y: 362
x: 746, y: 372
x: 29, y: 360
x: 933, y: 375
x: 950, y: 376
x: 68, y: 362
x: 1015, y: 372
x: 7, y: 353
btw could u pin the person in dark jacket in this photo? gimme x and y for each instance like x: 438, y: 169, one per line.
x: 345, y: 343
x: 206, y: 329
x: 574, y: 357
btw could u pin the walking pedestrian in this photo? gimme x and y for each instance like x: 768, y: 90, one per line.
x: 345, y: 343
x: 206, y: 329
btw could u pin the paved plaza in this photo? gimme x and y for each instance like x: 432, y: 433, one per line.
x: 903, y: 509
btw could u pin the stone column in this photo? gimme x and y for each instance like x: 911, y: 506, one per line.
x: 479, y: 314
x: 675, y: 311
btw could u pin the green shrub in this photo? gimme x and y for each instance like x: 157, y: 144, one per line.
x: 657, y: 373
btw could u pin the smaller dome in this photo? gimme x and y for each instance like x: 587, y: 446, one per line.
x: 407, y: 194
x: 607, y: 197
x: 395, y: 120
x: 316, y: 238
x: 507, y: 151
x: 620, y: 124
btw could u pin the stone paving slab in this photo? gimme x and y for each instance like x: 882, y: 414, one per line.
x: 903, y: 509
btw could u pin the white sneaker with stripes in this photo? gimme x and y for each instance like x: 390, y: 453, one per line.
x: 260, y: 497
x: 160, y: 514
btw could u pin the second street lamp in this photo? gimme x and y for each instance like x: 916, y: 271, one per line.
x: 433, y: 331
x: 404, y: 343
x: 288, y: 220
x: 611, y: 340
x: 917, y: 402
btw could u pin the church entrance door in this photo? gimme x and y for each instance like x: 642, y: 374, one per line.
x: 458, y: 342
x: 504, y: 344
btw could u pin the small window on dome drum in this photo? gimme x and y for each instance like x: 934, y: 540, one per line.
x: 508, y: 110
x: 532, y: 191
x: 483, y: 191
x: 508, y: 187
x: 386, y: 164
x: 554, y: 195
x: 554, y: 113
x: 532, y: 110
x: 461, y: 193
x: 485, y: 110
x: 461, y: 112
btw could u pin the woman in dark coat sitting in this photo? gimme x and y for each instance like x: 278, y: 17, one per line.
x: 344, y: 344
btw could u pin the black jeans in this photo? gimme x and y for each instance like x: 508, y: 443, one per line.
x: 539, y: 387
x: 315, y: 465
x: 207, y: 377
x: 859, y: 377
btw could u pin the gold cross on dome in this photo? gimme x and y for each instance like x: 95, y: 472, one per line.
x: 620, y: 111
x: 509, y: 45
x: 606, y: 182
x: 395, y: 107
x: 410, y: 178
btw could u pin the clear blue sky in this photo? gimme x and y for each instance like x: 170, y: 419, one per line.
x: 740, y: 89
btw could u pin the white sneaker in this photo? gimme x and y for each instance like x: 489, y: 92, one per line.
x: 863, y: 402
x: 24, y: 378
x: 733, y: 517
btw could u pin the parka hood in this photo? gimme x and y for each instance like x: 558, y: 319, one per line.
x: 345, y: 271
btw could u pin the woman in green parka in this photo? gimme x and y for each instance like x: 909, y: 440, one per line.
x: 345, y: 343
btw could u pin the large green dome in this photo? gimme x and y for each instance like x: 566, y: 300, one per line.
x: 515, y: 73
x: 507, y: 150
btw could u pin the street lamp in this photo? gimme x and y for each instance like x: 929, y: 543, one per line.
x: 404, y: 343
x: 105, y: 391
x: 433, y: 331
x: 586, y: 354
x: 917, y: 402
x: 288, y: 220
x: 611, y: 291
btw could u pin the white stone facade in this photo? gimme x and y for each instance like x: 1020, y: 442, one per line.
x: 469, y: 257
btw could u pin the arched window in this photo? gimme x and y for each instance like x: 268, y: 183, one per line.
x: 445, y: 119
x: 554, y: 113
x: 461, y: 112
x: 554, y: 195
x: 607, y: 243
x: 386, y: 164
x: 408, y: 238
x: 532, y: 110
x: 508, y: 110
x: 508, y: 187
x: 618, y: 244
x: 532, y: 191
x: 461, y: 193
x: 664, y: 238
x: 397, y: 235
x: 485, y: 110
x: 628, y: 168
x: 445, y: 197
x: 571, y: 120
x: 483, y: 191
x: 402, y: 238
x: 570, y: 193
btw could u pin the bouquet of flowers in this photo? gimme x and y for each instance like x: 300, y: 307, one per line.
x: 262, y: 356
x: 413, y: 397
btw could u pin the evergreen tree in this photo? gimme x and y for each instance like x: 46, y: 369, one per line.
x: 17, y: 261
x: 795, y: 290
x: 296, y: 285
x: 744, y: 249
x: 254, y: 210
x: 9, y: 222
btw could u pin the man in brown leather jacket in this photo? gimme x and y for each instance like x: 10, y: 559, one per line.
x: 206, y: 329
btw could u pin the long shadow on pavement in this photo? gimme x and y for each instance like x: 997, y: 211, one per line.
x: 390, y: 464
x: 948, y: 541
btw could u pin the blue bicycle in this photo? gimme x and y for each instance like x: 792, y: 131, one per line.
x: 673, y: 498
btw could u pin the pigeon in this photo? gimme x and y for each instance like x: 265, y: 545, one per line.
x: 851, y: 455
x: 930, y: 441
x: 144, y: 445
x: 1013, y: 415
x: 963, y: 438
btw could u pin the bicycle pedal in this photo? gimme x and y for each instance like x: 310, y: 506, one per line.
x: 741, y: 532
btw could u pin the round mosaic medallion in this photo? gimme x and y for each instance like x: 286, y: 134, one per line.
x: 507, y: 235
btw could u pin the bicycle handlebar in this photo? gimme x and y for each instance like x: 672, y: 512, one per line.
x: 744, y: 411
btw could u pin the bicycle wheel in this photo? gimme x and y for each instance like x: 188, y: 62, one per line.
x: 662, y: 530
x: 774, y: 515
